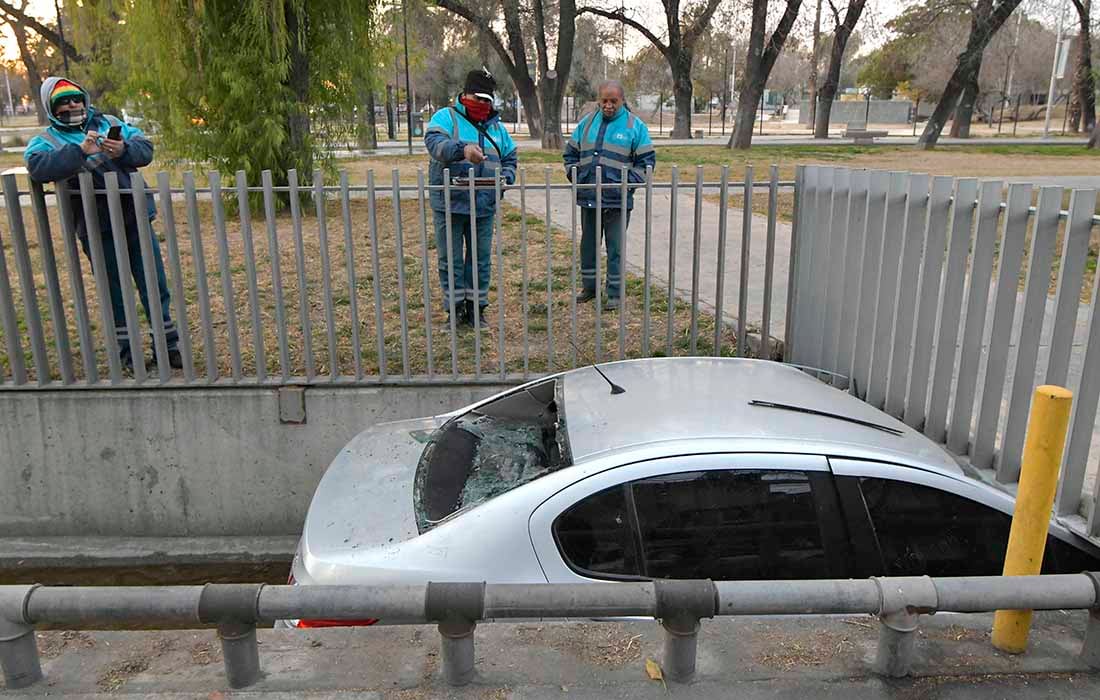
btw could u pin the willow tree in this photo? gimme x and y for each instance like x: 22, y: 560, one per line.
x: 242, y: 84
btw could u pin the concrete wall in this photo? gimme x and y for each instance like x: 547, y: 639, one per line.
x: 882, y: 112
x: 196, y: 462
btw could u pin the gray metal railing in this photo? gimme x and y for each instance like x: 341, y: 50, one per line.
x: 457, y: 608
x: 895, y: 289
x: 300, y: 305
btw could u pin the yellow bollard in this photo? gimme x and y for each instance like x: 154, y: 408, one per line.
x: 1046, y: 438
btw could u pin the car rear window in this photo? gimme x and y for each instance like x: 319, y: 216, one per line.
x: 481, y: 454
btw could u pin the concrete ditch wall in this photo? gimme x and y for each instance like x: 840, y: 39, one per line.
x: 210, y: 462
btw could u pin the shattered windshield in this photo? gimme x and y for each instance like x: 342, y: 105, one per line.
x: 489, y: 451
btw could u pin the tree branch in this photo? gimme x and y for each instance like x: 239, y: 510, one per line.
x: 700, y: 25
x: 17, y: 16
x: 482, y: 25
x: 618, y: 16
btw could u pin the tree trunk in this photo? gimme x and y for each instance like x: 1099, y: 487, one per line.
x: 813, y: 70
x: 532, y: 112
x: 841, y: 33
x: 969, y: 60
x: 1094, y: 140
x: 551, y: 119
x: 391, y: 120
x: 681, y: 90
x: 34, y: 80
x: 367, y: 136
x: 298, y: 126
x: 747, y: 105
x: 964, y: 113
x: 1084, y: 85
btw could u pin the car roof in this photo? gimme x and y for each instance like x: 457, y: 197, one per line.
x: 693, y: 398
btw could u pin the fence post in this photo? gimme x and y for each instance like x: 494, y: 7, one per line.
x: 456, y: 607
x: 1027, y: 538
x: 680, y: 606
x: 235, y: 609
x: 18, y: 649
x: 902, y: 602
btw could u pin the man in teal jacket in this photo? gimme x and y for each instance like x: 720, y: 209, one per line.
x: 77, y: 141
x: 610, y: 138
x: 468, y: 140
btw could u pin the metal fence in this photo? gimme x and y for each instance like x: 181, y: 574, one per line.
x: 457, y: 608
x: 910, y: 286
x: 306, y: 305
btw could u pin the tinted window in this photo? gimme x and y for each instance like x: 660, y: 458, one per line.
x: 596, y: 535
x: 728, y: 525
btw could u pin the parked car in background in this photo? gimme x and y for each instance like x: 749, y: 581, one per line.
x: 702, y: 468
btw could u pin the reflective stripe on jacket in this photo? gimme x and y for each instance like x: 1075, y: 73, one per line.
x: 610, y: 144
x: 447, y: 135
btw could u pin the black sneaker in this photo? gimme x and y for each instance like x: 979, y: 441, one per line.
x: 586, y: 295
x: 482, y: 321
x: 460, y: 315
x: 175, y: 359
x: 611, y: 304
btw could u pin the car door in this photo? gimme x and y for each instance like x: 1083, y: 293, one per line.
x: 910, y: 522
x: 719, y: 516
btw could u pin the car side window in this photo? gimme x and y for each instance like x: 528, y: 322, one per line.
x: 596, y: 536
x: 729, y: 525
x: 925, y: 531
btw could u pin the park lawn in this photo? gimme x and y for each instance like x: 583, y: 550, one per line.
x: 526, y: 346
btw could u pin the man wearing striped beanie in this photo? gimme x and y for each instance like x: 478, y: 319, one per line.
x: 79, y: 140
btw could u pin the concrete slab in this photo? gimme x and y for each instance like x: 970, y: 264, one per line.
x: 764, y: 657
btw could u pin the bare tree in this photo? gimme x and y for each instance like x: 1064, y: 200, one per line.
x: 758, y: 65
x: 541, y: 102
x: 842, y: 30
x: 988, y: 17
x: 1084, y: 85
x: 813, y: 64
x: 679, y: 51
x: 17, y: 15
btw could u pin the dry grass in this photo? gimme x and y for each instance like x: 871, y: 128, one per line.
x: 521, y: 281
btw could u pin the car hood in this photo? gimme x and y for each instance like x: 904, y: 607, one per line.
x: 365, y: 498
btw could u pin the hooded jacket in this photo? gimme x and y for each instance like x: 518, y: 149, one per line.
x: 55, y: 155
x: 447, y: 135
x: 610, y: 144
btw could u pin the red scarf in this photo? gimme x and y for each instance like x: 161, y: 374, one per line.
x: 477, y: 110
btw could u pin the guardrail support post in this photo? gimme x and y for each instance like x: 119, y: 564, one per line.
x: 18, y: 648
x: 680, y: 606
x: 234, y: 607
x: 1090, y: 651
x: 902, y: 602
x: 240, y: 652
x: 456, y: 607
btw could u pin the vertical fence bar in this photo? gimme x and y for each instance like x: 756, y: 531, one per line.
x: 674, y: 194
x: 99, y: 271
x: 916, y: 220
x: 834, y: 288
x: 1071, y: 272
x: 226, y: 275
x: 425, y: 270
x: 870, y: 261
x: 399, y: 242
x: 11, y: 324
x: 499, y: 235
x: 122, y: 258
x: 21, y: 254
x: 1008, y: 275
x: 598, y: 243
x: 798, y: 282
x: 769, y: 263
x: 573, y: 268
x: 76, y: 282
x: 856, y: 227
x: 53, y: 285
x: 977, y: 304
x: 1044, y: 233
x: 696, y: 244
x: 149, y: 253
x: 198, y: 259
x: 376, y: 275
x: 475, y: 286
x: 928, y: 301
x: 523, y: 269
x: 450, y: 266
x: 353, y: 281
x: 326, y: 271
x: 743, y: 284
x: 1083, y: 422
x: 647, y: 263
x: 179, y: 301
x: 720, y: 277
x: 820, y: 254
x: 303, y: 282
x: 277, y: 274
x: 245, y: 214
x: 958, y: 249
x: 549, y: 277
x: 624, y: 221
x: 893, y: 231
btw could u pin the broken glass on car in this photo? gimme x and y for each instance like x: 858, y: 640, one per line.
x: 489, y: 451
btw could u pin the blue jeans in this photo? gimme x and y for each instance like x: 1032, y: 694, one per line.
x: 614, y: 227
x: 462, y: 251
x: 137, y: 271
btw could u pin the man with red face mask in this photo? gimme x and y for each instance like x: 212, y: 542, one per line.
x: 467, y: 140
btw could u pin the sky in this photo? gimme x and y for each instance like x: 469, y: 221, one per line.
x: 39, y: 9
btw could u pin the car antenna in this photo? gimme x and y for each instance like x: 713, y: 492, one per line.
x: 615, y: 388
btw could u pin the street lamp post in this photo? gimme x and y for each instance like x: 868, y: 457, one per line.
x: 408, y: 89
x: 1054, y: 69
x: 61, y: 33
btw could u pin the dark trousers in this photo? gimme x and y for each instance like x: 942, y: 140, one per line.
x: 462, y: 257
x: 137, y: 271
x: 613, y: 227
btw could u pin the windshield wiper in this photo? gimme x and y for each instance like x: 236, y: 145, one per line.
x: 825, y: 414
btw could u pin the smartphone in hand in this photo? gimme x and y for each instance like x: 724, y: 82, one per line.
x: 115, y: 133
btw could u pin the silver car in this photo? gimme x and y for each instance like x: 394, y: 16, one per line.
x: 662, y: 468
